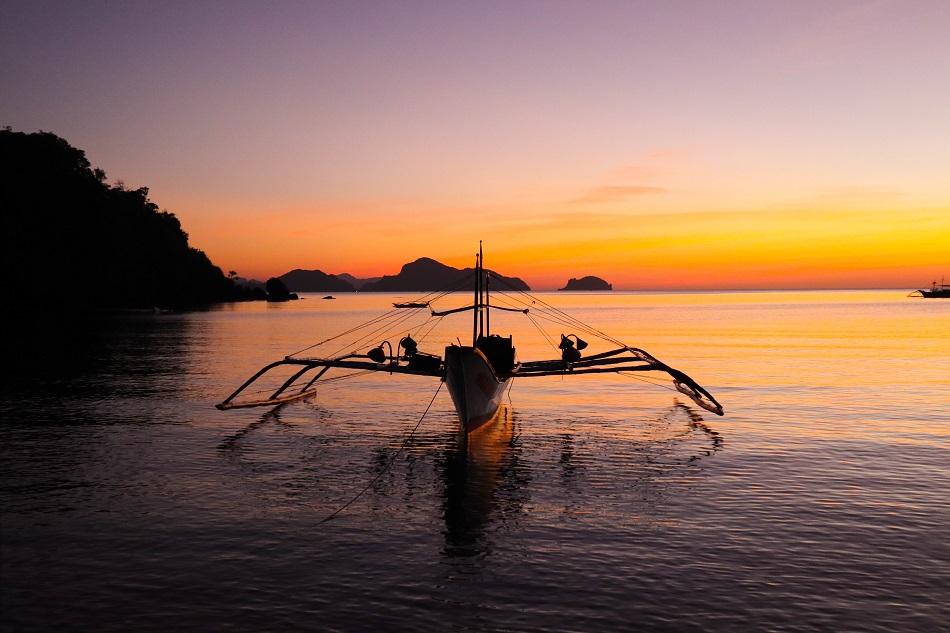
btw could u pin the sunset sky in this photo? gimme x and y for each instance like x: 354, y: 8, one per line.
x: 655, y: 144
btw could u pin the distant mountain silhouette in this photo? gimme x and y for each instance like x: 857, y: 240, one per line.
x: 250, y: 283
x: 357, y: 282
x: 299, y: 280
x: 61, y: 222
x: 587, y: 283
x: 426, y: 274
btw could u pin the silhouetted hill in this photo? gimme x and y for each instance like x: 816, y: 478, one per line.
x: 426, y: 274
x: 299, y: 280
x: 587, y: 283
x: 61, y: 222
x: 250, y: 283
x: 357, y: 282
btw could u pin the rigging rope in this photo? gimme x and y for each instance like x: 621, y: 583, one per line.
x: 430, y: 297
x: 570, y: 318
x: 429, y: 331
x: 649, y: 382
x: 351, y: 330
x: 419, y: 329
x: 380, y: 331
x: 543, y: 333
x: 388, y: 465
x: 553, y: 317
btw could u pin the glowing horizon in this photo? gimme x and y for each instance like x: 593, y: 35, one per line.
x: 738, y: 250
x: 656, y: 146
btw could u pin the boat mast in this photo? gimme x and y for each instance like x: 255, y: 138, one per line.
x: 477, y: 304
x: 487, y: 304
x: 482, y: 290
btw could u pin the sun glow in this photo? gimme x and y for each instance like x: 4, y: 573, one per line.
x: 797, y: 248
x: 748, y: 146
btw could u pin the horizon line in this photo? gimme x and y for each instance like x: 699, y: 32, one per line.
x: 358, y: 291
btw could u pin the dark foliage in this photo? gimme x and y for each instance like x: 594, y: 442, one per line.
x: 69, y: 238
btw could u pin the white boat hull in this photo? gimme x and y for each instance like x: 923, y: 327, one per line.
x: 475, y: 388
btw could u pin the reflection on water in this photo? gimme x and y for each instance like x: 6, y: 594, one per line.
x: 231, y: 443
x: 129, y: 503
x: 485, y: 480
x: 85, y: 359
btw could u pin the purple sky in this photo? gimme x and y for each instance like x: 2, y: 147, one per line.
x: 252, y: 111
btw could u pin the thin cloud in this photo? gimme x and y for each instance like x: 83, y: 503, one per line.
x: 860, y: 192
x: 602, y: 195
x: 651, y: 165
x: 633, y: 171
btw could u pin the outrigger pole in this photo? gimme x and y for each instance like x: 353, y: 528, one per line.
x: 323, y: 365
x: 406, y: 359
x: 622, y: 359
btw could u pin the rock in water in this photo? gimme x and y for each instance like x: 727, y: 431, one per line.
x: 277, y: 291
x: 587, y: 283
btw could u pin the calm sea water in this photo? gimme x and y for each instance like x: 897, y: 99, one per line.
x: 821, y: 501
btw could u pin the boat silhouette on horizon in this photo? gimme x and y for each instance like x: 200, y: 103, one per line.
x: 941, y: 290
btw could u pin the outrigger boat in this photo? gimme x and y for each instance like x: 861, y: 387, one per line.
x: 941, y: 290
x: 476, y: 375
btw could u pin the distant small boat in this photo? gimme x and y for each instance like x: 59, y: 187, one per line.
x: 329, y: 297
x: 412, y: 304
x: 941, y: 290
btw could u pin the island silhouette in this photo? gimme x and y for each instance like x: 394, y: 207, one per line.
x: 354, y: 281
x: 299, y: 280
x: 422, y: 275
x: 587, y: 283
x: 63, y: 222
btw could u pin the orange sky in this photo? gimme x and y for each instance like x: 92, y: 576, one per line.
x: 741, y: 249
x: 658, y: 145
x: 664, y: 232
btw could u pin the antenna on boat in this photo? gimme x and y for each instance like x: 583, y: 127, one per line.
x: 487, y: 304
x: 477, y: 304
x: 481, y: 290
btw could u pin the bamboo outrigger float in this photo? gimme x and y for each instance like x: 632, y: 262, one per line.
x: 477, y: 375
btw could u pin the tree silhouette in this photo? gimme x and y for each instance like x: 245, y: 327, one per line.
x: 69, y: 238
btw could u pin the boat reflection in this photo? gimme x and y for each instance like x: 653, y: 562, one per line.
x: 697, y: 423
x: 485, y: 482
x: 230, y: 443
